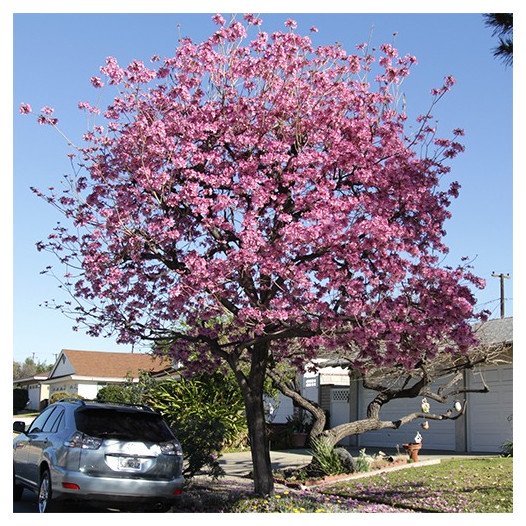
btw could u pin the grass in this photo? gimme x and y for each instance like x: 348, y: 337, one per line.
x: 468, y: 485
x: 453, y: 486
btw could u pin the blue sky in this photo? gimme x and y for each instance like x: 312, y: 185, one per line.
x: 56, y: 54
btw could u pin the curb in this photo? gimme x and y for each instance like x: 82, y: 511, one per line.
x: 366, y: 474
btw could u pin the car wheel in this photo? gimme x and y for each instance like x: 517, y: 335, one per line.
x: 44, y: 492
x: 17, y: 490
x: 161, y: 507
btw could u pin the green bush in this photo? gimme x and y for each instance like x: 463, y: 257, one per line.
x: 120, y: 394
x: 207, y: 414
x: 326, y: 459
x: 363, y: 461
x: 128, y: 393
x: 20, y: 399
x: 507, y: 449
x: 61, y: 395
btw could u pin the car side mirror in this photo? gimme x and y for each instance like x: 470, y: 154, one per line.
x: 19, y: 426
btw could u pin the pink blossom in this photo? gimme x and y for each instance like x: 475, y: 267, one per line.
x: 449, y: 81
x: 218, y: 19
x: 96, y: 82
x: 47, y: 110
x: 292, y: 24
x: 25, y: 108
x: 252, y: 20
x: 313, y: 29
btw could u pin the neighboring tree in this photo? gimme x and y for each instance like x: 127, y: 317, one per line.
x: 439, y: 379
x: 252, y: 200
x: 502, y: 25
x: 29, y: 367
x: 131, y: 392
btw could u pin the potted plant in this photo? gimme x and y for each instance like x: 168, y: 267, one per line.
x: 414, y: 447
x: 299, y: 426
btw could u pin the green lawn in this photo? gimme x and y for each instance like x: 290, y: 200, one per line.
x: 468, y: 485
x: 453, y: 486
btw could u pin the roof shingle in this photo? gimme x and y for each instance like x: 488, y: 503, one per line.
x: 113, y: 364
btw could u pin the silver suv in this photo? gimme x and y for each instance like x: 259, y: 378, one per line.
x: 108, y: 453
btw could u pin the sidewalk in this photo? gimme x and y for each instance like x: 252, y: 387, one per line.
x: 239, y: 464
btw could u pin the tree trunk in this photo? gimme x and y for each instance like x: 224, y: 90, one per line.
x: 259, y: 446
x: 252, y: 388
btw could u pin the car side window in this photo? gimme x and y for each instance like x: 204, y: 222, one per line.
x: 39, y: 422
x: 58, y: 425
x: 52, y: 420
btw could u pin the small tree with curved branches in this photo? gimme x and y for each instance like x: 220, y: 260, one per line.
x: 439, y: 378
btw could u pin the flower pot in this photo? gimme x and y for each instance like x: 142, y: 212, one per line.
x: 298, y: 440
x: 412, y: 450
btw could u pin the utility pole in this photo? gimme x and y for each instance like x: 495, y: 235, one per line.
x: 501, y: 276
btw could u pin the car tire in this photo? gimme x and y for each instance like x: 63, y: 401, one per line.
x: 45, y: 493
x: 161, y: 507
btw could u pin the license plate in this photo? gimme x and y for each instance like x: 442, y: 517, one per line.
x: 129, y: 463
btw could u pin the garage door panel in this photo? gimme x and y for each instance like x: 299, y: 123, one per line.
x: 490, y: 414
x: 440, y: 435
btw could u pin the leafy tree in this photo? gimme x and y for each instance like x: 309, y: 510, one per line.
x: 502, y: 25
x: 254, y: 198
x: 29, y: 367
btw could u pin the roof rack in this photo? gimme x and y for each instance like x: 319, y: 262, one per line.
x: 77, y: 400
x: 138, y: 406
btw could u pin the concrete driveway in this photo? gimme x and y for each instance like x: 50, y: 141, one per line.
x: 239, y: 464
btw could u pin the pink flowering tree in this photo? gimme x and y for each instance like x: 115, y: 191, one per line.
x: 254, y: 198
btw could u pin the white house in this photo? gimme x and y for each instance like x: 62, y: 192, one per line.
x: 37, y: 390
x: 85, y: 372
x: 485, y: 426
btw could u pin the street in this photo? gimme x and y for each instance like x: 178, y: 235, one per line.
x: 28, y: 504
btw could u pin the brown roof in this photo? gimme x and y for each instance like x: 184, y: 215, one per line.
x: 114, y: 364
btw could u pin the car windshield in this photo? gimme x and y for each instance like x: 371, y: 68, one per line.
x: 122, y: 424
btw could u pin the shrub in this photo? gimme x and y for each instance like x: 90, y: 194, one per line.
x: 363, y: 461
x: 61, y: 395
x: 206, y: 412
x: 507, y: 449
x: 128, y: 393
x: 20, y: 399
x: 119, y: 394
x: 201, y: 440
x: 325, y: 459
x: 300, y: 422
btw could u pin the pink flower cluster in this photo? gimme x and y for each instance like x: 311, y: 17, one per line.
x: 261, y: 193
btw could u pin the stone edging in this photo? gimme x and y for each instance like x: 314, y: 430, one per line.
x: 364, y: 474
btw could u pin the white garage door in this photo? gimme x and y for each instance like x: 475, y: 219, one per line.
x: 440, y: 435
x: 490, y: 414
